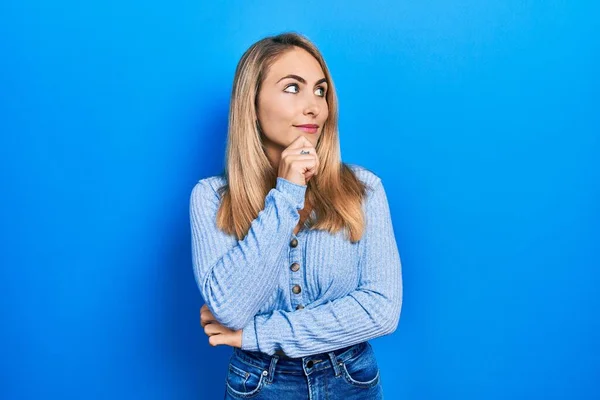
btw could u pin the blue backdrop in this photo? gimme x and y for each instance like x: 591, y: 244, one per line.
x: 482, y: 118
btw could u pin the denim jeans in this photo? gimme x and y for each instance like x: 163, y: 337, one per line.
x: 350, y: 373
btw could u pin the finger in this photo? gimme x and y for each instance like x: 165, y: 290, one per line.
x: 221, y: 339
x: 306, y: 164
x: 207, y: 321
x: 300, y: 157
x: 300, y: 141
x: 303, y: 153
x: 315, y: 168
x: 207, y: 318
x: 299, y: 151
x: 203, y: 310
x: 303, y: 165
x: 212, y: 329
x: 215, y: 340
x: 206, y: 311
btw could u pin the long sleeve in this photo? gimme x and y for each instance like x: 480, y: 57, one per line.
x: 235, y: 277
x: 370, y: 311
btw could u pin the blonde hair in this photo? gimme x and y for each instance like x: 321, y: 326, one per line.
x: 334, y: 193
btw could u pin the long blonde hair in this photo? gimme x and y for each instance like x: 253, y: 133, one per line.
x: 335, y: 194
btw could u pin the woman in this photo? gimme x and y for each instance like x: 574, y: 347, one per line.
x: 294, y: 251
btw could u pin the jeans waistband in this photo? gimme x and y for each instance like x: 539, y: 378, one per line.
x: 299, y: 364
x: 337, y: 352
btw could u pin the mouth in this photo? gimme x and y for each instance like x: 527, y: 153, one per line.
x: 308, y: 128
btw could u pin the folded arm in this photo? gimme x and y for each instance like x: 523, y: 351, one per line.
x: 235, y: 277
x: 370, y: 311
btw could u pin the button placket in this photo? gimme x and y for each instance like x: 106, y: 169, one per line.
x: 296, y: 275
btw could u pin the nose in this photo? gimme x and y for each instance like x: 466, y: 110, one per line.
x: 312, y: 107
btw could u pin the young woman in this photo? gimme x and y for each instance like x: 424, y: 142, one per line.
x: 294, y: 251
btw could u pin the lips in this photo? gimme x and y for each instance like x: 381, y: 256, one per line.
x: 309, y: 128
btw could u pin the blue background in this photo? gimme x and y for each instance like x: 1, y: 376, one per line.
x: 482, y: 118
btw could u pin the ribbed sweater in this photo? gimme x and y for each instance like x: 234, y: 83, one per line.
x: 320, y: 295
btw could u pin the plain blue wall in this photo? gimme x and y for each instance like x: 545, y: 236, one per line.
x: 482, y: 118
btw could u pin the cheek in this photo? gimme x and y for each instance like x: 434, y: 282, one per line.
x: 325, y: 113
x: 279, y: 110
x: 275, y: 118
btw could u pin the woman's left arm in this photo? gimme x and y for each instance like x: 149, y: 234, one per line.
x: 370, y: 311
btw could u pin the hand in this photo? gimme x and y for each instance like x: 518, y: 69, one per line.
x: 295, y: 167
x: 217, y: 333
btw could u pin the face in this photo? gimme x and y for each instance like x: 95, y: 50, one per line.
x: 292, y: 95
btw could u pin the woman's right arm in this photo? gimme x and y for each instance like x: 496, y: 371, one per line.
x: 237, y: 277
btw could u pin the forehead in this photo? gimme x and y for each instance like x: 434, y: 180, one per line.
x: 296, y: 61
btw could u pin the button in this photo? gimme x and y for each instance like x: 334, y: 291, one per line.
x: 265, y: 373
x: 295, y: 267
x: 299, y: 307
x: 296, y: 289
x: 294, y: 242
x: 309, y: 364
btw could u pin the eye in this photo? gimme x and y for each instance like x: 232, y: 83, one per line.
x: 322, y: 89
x: 289, y: 86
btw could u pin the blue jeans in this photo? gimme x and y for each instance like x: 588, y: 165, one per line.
x: 349, y: 373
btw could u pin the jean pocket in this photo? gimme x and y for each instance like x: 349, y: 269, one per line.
x: 362, y: 370
x: 243, y: 380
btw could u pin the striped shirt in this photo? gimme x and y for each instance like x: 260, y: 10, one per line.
x: 300, y: 294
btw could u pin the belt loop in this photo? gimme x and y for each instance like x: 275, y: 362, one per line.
x: 334, y: 362
x: 274, y: 360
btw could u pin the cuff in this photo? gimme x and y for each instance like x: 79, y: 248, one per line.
x: 249, y: 337
x: 293, y: 191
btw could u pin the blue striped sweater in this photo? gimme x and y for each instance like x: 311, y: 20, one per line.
x: 351, y: 292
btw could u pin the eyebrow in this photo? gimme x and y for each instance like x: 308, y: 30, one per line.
x: 301, y: 79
